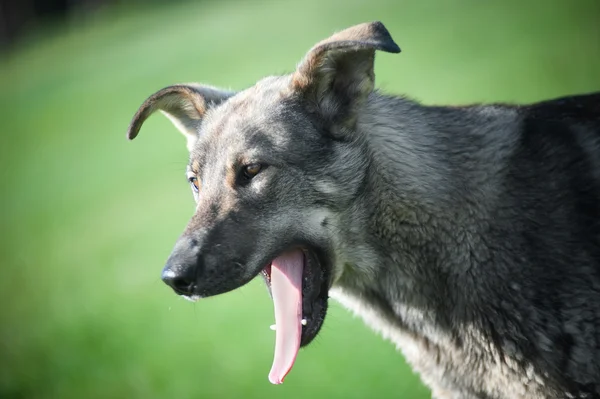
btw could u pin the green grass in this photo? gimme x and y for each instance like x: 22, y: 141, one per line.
x: 88, y: 218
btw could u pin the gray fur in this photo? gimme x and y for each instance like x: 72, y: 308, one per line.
x: 469, y: 236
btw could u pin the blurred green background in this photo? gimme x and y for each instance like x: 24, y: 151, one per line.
x: 88, y: 218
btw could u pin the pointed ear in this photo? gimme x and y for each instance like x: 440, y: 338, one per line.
x: 336, y: 75
x: 185, y: 105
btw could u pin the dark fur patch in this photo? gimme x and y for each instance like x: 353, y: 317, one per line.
x: 578, y: 109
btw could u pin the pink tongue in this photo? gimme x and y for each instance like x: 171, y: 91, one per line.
x: 286, y: 288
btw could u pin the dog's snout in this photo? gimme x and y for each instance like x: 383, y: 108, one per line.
x: 181, y: 270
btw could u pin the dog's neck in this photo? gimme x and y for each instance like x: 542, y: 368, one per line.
x: 430, y: 170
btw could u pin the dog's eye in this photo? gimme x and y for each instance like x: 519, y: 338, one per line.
x: 249, y: 171
x: 194, y: 182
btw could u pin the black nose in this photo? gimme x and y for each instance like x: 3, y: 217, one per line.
x: 183, y: 282
x: 181, y: 272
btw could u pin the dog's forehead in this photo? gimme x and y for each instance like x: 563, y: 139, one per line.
x: 248, y: 107
x: 257, y: 114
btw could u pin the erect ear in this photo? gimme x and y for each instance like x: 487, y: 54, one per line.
x: 185, y: 105
x: 336, y: 75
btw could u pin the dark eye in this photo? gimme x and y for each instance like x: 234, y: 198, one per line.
x: 194, y: 182
x: 249, y: 171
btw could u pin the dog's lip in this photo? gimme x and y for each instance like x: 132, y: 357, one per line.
x: 314, y: 292
x: 191, y: 298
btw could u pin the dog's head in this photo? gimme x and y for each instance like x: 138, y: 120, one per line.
x: 271, y: 167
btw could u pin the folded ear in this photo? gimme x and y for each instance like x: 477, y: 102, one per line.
x: 185, y: 105
x: 336, y: 75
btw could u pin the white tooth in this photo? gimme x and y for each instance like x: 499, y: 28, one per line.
x: 303, y: 322
x: 273, y: 327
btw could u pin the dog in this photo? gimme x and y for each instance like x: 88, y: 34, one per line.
x: 469, y: 236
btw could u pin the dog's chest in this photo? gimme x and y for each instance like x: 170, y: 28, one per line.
x: 465, y: 368
x: 420, y: 350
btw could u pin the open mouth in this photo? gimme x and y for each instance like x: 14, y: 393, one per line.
x: 298, y: 284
